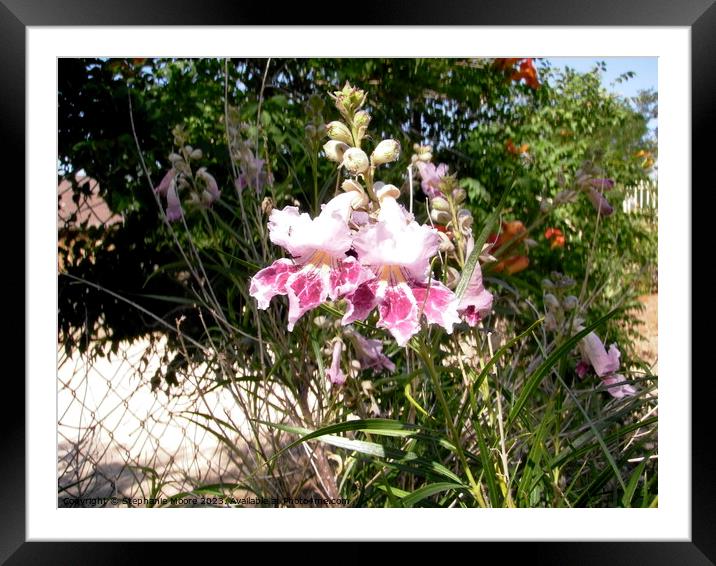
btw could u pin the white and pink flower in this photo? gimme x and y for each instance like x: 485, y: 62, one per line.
x: 398, y: 250
x: 605, y: 364
x: 320, y: 268
x: 431, y: 176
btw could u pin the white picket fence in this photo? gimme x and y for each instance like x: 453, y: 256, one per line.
x: 641, y: 198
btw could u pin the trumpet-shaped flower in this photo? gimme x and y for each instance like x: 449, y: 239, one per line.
x: 174, y: 210
x: 605, y: 364
x: 477, y: 301
x: 593, y: 351
x: 398, y: 251
x: 319, y: 268
x: 431, y: 177
x: 369, y: 352
x: 334, y: 373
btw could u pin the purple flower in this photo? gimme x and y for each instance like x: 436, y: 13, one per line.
x: 369, y: 352
x: 174, y: 210
x: 617, y: 386
x: 431, y: 177
x: 398, y: 251
x: 334, y: 373
x: 600, y: 203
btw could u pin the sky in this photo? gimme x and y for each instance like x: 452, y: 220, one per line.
x: 644, y: 67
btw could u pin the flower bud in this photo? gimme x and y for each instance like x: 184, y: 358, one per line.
x: 386, y: 151
x: 459, y: 195
x: 545, y: 205
x: 387, y: 191
x: 551, y: 302
x: 445, y: 244
x: 351, y: 185
x: 547, y: 284
x: 570, y: 302
x: 310, y: 131
x: 174, y: 157
x: 439, y: 203
x: 335, y: 150
x: 440, y: 216
x: 196, y: 154
x: 453, y: 278
x: 339, y: 131
x: 464, y: 220
x: 361, y: 121
x: 355, y: 161
x: 267, y: 205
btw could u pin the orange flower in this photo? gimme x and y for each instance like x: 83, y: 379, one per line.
x: 513, y: 149
x: 557, y: 237
x: 528, y: 73
x: 512, y: 234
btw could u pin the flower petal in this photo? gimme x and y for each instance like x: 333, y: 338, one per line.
x: 346, y: 276
x: 399, y: 312
x: 271, y: 281
x: 360, y: 303
x: 618, y: 391
x: 438, y: 304
x: 306, y: 289
x: 477, y: 301
x: 603, y: 362
x: 334, y: 373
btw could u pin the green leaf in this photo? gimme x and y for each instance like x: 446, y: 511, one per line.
x: 429, y: 490
x: 473, y: 259
x: 539, y: 374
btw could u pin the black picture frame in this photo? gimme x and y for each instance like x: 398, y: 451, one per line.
x: 698, y: 15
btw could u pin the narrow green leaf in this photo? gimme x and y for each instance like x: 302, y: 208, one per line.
x: 429, y: 490
x: 473, y: 259
x: 539, y: 374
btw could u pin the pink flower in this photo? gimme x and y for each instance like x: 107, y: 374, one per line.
x: 253, y: 173
x: 370, y: 352
x: 593, y: 351
x: 477, y: 301
x: 605, y: 365
x: 334, y: 373
x: 398, y: 250
x: 163, y: 186
x: 623, y: 389
x: 431, y: 177
x: 319, y: 268
x: 174, y: 210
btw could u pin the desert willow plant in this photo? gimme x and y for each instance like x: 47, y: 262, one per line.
x: 386, y: 346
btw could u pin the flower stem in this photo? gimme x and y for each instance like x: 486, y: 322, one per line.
x: 428, y: 363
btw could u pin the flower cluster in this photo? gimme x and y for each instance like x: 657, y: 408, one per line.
x: 252, y: 171
x: 364, y: 247
x: 201, y: 185
x: 525, y: 70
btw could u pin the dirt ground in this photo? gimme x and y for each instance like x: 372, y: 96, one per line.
x: 648, y: 348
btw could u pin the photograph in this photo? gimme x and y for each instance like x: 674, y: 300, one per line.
x: 357, y: 282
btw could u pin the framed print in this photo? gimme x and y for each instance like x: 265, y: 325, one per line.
x: 391, y: 271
